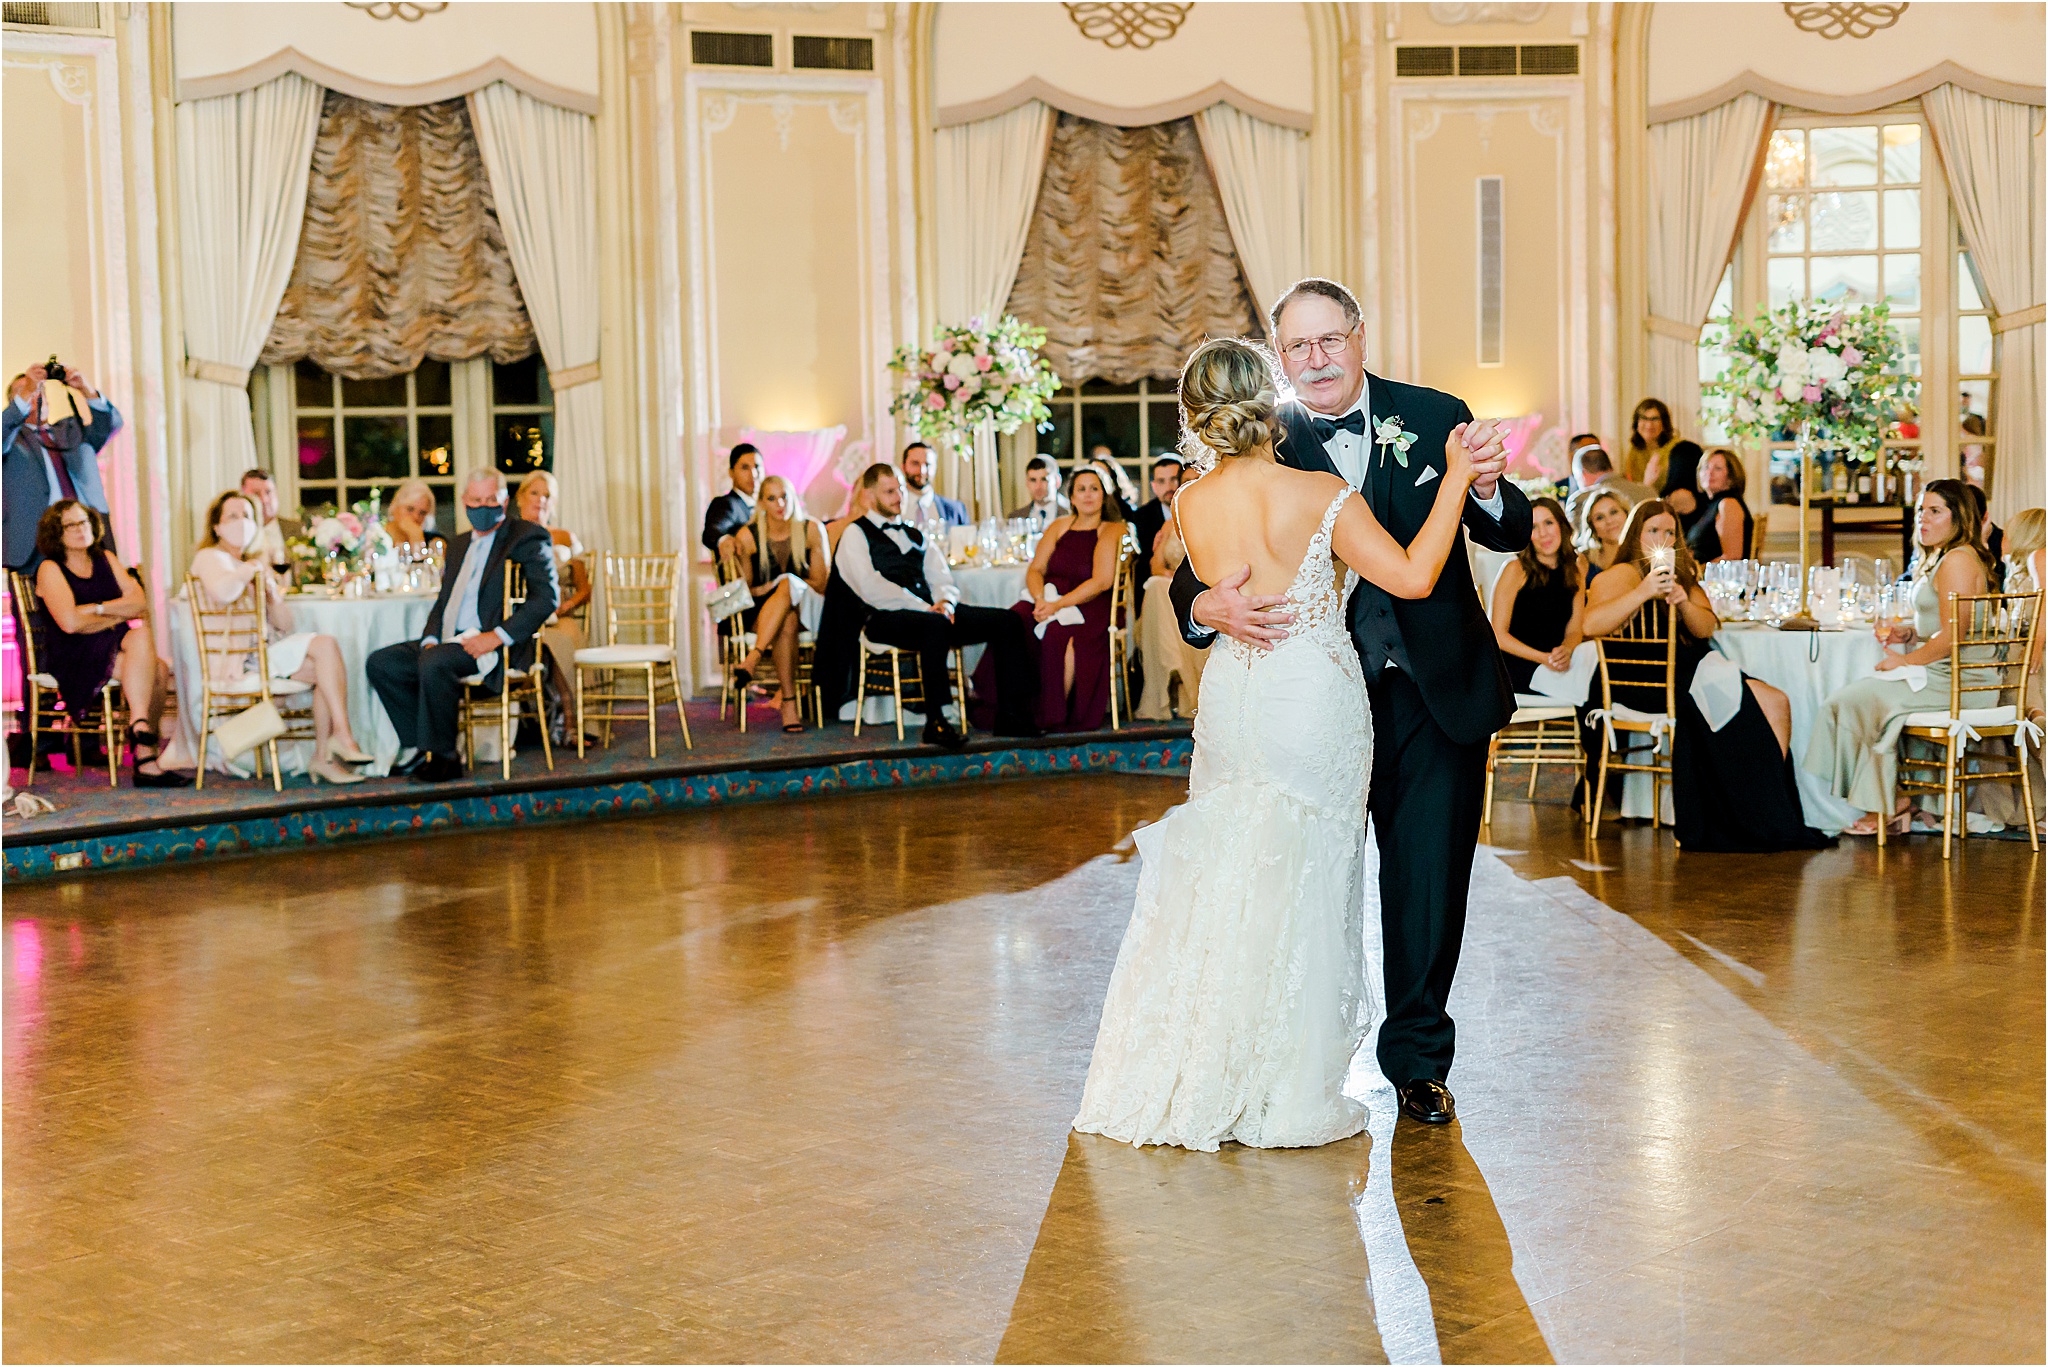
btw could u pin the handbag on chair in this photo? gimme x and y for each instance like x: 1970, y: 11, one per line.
x: 732, y: 598
x: 257, y: 724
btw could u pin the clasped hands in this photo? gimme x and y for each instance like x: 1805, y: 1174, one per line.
x: 1261, y: 619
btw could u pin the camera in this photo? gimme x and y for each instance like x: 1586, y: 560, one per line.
x: 55, y: 370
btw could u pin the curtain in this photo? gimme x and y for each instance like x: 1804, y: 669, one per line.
x: 1701, y: 172
x: 1991, y: 150
x: 987, y: 181
x: 401, y: 256
x: 1261, y: 171
x: 542, y: 161
x: 1129, y: 263
x: 244, y: 161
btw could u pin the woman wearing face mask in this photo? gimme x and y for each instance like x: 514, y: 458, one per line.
x: 782, y: 554
x: 228, y: 560
x: 1856, y: 734
x: 1732, y: 789
x: 90, y: 600
x: 410, y: 515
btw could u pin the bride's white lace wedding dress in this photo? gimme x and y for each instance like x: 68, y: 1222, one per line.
x: 1239, y: 996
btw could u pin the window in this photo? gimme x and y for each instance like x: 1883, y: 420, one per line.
x: 522, y: 417
x: 1976, y: 356
x: 356, y: 436
x: 1714, y: 359
x: 1138, y: 422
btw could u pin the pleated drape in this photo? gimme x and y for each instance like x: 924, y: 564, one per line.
x: 1261, y: 171
x: 1991, y: 150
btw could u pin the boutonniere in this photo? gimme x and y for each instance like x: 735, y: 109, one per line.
x: 1389, y: 432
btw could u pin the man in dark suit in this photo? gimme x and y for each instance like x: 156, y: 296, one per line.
x: 38, y: 466
x: 1147, y: 521
x: 922, y: 504
x: 420, y: 682
x: 731, y: 511
x: 1436, y: 685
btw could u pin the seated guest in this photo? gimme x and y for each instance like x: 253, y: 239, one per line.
x: 564, y: 635
x: 1536, y: 599
x: 2024, y: 538
x: 90, y: 600
x: 1856, y: 732
x: 468, y: 632
x: 923, y: 505
x: 898, y: 588
x: 1593, y: 474
x: 1724, y: 528
x: 782, y: 553
x: 1077, y: 561
x: 231, y: 556
x: 1042, y: 482
x: 409, y: 517
x: 733, y: 510
x: 1599, y: 525
x: 1651, y: 438
x: 1147, y: 521
x: 1167, y: 656
x: 1732, y: 789
x: 1993, y: 536
x: 262, y: 491
x: 859, y: 503
x: 1681, y: 483
x: 51, y: 432
x: 1121, y: 492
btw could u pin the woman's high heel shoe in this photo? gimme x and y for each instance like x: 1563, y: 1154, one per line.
x: 327, y: 769
x: 143, y: 748
x: 352, y: 755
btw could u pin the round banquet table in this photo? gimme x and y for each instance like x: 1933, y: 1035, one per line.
x: 358, y: 625
x: 1808, y: 666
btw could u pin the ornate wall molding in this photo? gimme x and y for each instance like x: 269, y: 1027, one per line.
x: 1138, y: 25
x: 412, y: 11
x: 1947, y: 73
x: 1844, y: 20
x: 1452, y: 14
x: 1037, y: 88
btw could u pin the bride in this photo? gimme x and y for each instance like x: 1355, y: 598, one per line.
x: 1239, y: 996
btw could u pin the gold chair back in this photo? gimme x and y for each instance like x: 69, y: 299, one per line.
x: 1991, y: 649
x: 228, y: 635
x: 28, y: 621
x: 1640, y: 660
x: 640, y: 595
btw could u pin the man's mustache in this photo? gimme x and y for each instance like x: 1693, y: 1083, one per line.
x: 1321, y: 373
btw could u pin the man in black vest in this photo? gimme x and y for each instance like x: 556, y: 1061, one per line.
x: 888, y: 580
x: 1433, y: 674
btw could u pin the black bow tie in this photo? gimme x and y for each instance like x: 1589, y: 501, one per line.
x: 896, y: 526
x: 1326, y: 428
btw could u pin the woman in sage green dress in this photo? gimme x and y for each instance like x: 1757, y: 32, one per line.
x: 1856, y: 734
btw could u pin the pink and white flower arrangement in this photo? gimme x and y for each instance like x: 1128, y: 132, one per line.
x: 1839, y: 374
x: 971, y: 375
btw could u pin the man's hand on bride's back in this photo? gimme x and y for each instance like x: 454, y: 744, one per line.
x: 1256, y: 619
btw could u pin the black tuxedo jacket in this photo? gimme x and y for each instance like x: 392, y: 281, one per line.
x: 527, y: 543
x: 1146, y: 522
x: 726, y: 515
x: 1444, y: 641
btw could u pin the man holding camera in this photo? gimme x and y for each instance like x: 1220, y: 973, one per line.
x: 51, y: 433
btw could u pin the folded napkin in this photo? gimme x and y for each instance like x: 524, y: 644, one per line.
x: 1570, y: 684
x: 1913, y: 676
x: 484, y: 664
x: 1717, y: 690
x: 1066, y: 617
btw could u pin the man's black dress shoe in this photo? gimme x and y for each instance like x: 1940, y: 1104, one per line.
x: 943, y: 735
x: 438, y: 769
x: 1429, y: 1101
x: 405, y: 768
x: 1018, y: 730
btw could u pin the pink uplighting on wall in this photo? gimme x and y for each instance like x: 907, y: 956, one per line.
x: 804, y: 459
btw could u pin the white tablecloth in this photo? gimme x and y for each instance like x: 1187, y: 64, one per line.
x: 1807, y: 665
x: 358, y: 625
x: 987, y: 586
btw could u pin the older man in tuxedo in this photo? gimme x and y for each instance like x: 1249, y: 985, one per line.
x: 1434, y: 679
x: 469, y: 632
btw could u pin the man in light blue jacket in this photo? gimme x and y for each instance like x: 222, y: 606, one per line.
x: 36, y: 471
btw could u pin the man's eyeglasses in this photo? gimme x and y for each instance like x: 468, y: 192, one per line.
x: 1332, y: 345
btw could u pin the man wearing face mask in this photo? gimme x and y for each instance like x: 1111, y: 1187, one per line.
x: 468, y: 633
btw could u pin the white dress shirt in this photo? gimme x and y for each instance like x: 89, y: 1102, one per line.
x: 1352, y: 454
x: 857, y: 568
x: 469, y: 580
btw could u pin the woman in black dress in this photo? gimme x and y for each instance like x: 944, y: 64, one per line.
x: 88, y: 600
x: 1732, y: 789
x: 1681, y: 484
x: 1536, y: 599
x: 1724, y: 529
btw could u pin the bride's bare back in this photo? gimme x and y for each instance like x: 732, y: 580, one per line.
x: 1251, y: 511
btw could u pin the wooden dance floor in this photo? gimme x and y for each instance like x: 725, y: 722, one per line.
x: 791, y: 1082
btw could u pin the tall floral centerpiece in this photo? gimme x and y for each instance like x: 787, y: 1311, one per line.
x: 1830, y: 377
x: 971, y: 376
x: 342, y: 544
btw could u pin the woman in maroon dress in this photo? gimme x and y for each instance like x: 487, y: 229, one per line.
x: 1077, y: 561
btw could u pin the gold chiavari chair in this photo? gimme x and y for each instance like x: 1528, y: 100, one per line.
x: 1640, y: 660
x: 903, y: 672
x: 734, y: 641
x: 42, y: 702
x: 1122, y: 629
x: 1542, y: 731
x: 1990, y: 648
x: 234, y: 638
x: 640, y: 596
x: 517, y: 687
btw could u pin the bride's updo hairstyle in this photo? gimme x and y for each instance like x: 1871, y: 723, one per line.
x: 1227, y: 400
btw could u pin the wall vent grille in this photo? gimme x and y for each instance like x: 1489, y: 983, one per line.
x: 1550, y: 59
x: 834, y: 54
x: 51, y: 15
x: 1425, y: 61
x: 731, y: 49
x: 1491, y: 265
x: 1488, y: 59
